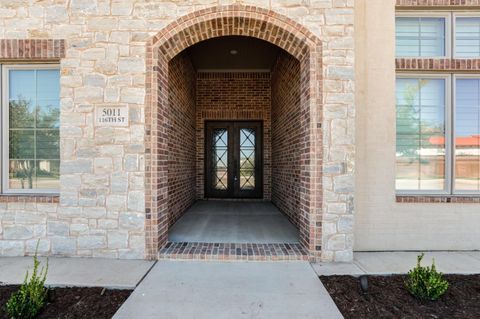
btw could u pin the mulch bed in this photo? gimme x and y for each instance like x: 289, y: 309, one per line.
x: 386, y: 297
x: 75, y: 302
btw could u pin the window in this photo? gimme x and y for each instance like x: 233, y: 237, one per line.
x: 467, y: 134
x: 427, y: 34
x: 421, y: 36
x: 467, y: 37
x: 438, y: 142
x: 438, y: 115
x: 421, y: 134
x: 30, y: 133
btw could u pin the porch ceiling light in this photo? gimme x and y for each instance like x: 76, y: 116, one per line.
x: 233, y: 52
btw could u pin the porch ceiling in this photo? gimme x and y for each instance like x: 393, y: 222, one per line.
x: 248, y: 54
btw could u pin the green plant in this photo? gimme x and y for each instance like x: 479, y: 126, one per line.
x: 28, y: 301
x: 425, y: 283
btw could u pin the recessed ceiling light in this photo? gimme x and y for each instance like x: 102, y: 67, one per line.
x: 233, y: 52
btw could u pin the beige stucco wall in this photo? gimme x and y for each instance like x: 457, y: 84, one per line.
x: 380, y: 222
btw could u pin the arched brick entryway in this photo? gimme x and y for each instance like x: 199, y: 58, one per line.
x: 227, y: 21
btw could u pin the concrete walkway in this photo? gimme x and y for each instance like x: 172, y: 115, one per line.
x: 206, y: 290
x: 80, y: 272
x: 233, y: 222
x: 387, y: 263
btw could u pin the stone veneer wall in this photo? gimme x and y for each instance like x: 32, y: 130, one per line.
x: 233, y: 96
x: 181, y: 137
x: 23, y: 222
x: 105, y: 171
x: 286, y: 133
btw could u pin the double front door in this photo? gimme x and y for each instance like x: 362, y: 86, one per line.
x: 233, y: 153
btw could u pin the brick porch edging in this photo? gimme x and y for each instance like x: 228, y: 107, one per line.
x: 232, y: 252
x: 221, y: 21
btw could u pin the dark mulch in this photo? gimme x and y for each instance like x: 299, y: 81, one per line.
x: 69, y: 303
x: 387, y: 298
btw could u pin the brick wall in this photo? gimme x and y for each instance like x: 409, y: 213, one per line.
x: 196, y: 98
x: 286, y: 132
x: 233, y: 96
x: 37, y: 49
x: 437, y: 64
x: 181, y: 136
x: 439, y: 3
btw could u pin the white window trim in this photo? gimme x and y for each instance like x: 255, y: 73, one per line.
x: 455, y: 15
x: 4, y: 150
x: 429, y: 14
x: 448, y: 134
x: 453, y: 156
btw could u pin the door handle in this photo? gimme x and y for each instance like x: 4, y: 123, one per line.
x: 235, y: 178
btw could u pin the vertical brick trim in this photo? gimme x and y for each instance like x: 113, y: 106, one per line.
x: 222, y: 21
x: 38, y: 49
x: 233, y: 96
x: 311, y: 172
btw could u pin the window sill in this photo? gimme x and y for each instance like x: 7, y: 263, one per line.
x: 29, y: 198
x: 453, y: 199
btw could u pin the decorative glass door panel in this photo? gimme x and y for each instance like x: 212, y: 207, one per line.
x: 220, y: 161
x: 247, y: 159
x: 233, y: 153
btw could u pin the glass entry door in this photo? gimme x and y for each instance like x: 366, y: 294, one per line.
x: 233, y: 153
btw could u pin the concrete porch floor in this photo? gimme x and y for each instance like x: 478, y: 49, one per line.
x: 233, y: 222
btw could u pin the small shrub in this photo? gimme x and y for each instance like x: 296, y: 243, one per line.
x: 425, y: 283
x: 28, y: 301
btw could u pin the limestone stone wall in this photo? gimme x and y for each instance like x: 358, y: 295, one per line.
x: 24, y: 223
x: 101, y: 211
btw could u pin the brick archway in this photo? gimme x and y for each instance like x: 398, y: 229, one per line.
x: 227, y: 21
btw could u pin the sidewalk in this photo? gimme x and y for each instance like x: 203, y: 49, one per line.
x: 388, y: 263
x: 80, y: 272
x: 230, y: 290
